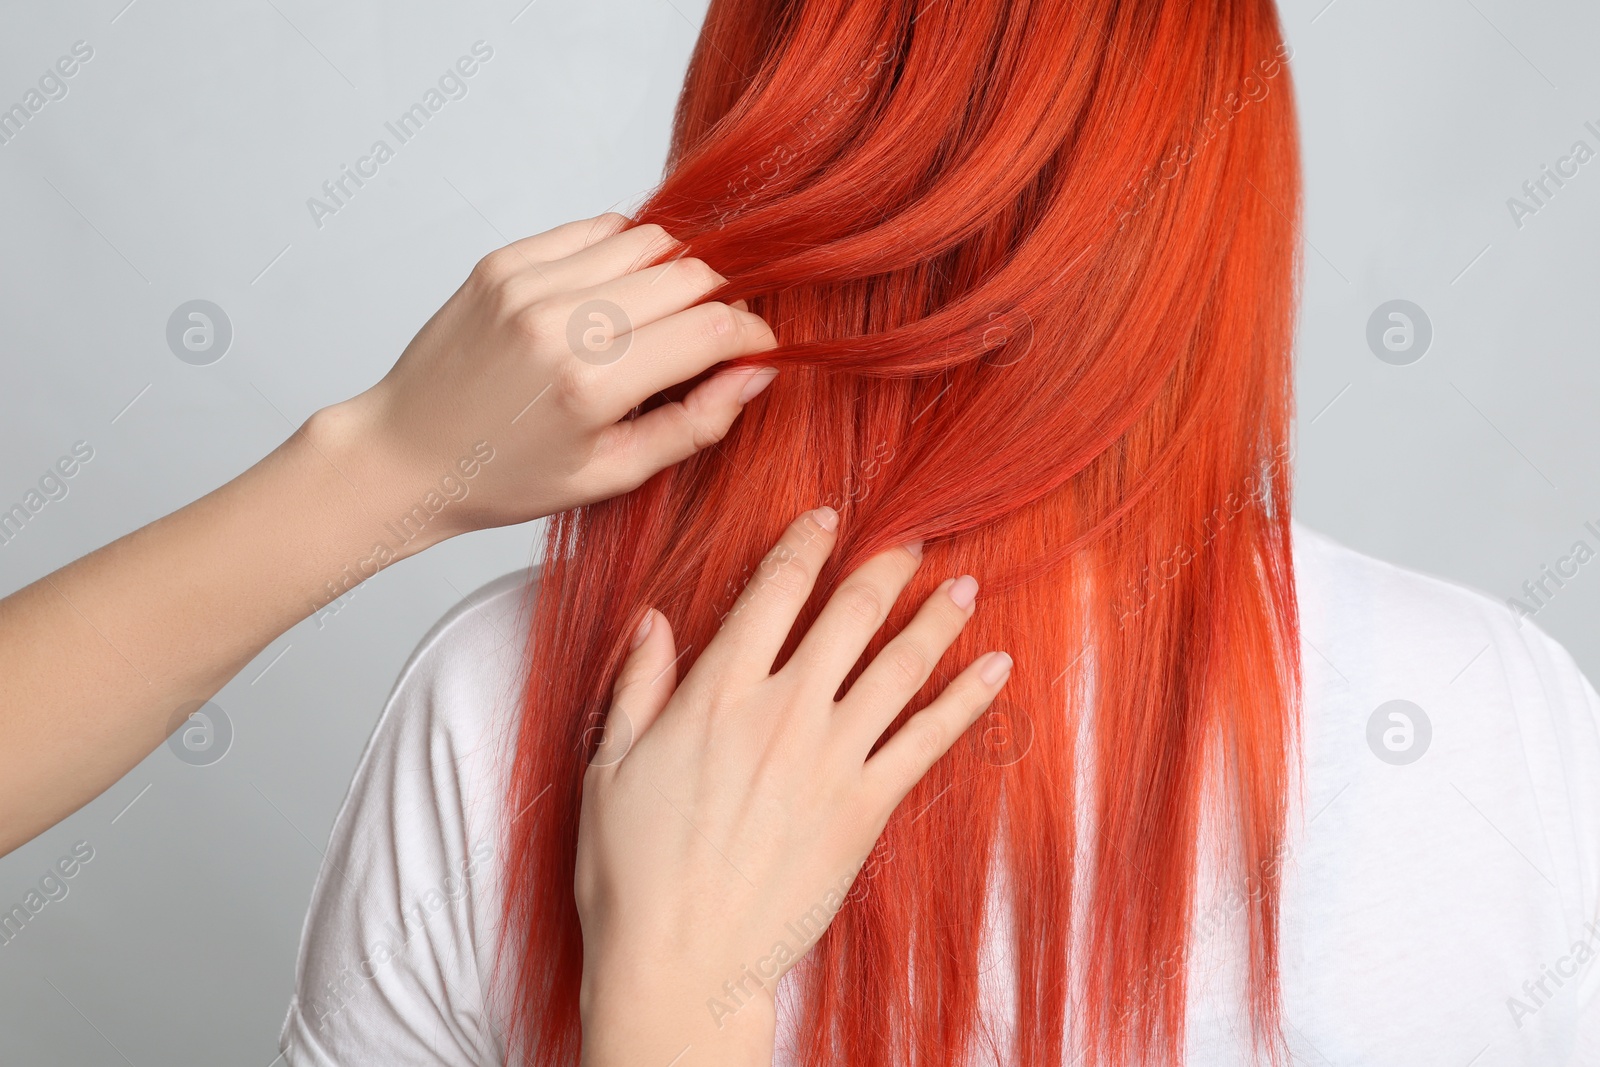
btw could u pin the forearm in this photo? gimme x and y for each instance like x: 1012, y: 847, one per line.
x: 99, y: 660
x: 102, y: 659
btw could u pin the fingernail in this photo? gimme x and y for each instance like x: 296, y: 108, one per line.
x: 915, y: 548
x: 757, y: 382
x: 742, y: 304
x: 995, y: 668
x: 964, y: 590
x: 826, y: 518
x: 643, y: 630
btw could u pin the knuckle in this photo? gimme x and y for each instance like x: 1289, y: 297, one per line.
x: 718, y: 323
x: 704, y: 433
x: 700, y: 275
x: 654, y: 240
x: 714, y: 416
x: 761, y: 338
x: 784, y: 573
x: 651, y: 232
x: 861, y: 604
x: 506, y: 298
x: 947, y: 621
x: 928, y: 741
x: 535, y: 325
x: 790, y: 578
x: 493, y: 269
x: 907, y: 663
x: 611, y: 222
x: 576, y: 388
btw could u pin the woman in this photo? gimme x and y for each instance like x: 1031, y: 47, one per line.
x: 1246, y: 794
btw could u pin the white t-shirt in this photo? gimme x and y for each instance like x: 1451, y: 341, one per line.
x: 1444, y: 910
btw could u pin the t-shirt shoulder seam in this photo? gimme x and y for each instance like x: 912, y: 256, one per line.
x: 514, y: 582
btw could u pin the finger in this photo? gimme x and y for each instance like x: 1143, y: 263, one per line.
x: 856, y: 611
x: 646, y: 361
x: 898, y: 671
x: 643, y: 686
x: 649, y: 294
x: 631, y: 451
x: 570, y: 238
x: 928, y: 735
x: 520, y: 268
x: 759, y: 622
x: 621, y: 253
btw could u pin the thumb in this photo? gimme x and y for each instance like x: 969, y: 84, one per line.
x: 647, y: 680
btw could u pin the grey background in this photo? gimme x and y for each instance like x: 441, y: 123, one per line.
x: 178, y: 167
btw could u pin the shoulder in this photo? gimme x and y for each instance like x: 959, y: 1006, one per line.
x: 446, y: 731
x: 1451, y: 753
x: 476, y: 649
x: 1392, y: 624
x: 1489, y: 684
x: 397, y: 950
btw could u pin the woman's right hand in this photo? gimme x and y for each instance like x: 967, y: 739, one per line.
x: 534, y: 362
x: 508, y: 405
x: 724, y: 819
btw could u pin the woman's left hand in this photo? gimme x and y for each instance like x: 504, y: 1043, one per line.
x: 724, y: 819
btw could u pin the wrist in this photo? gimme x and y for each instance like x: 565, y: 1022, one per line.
x: 392, y: 502
x: 635, y: 1020
x: 339, y: 504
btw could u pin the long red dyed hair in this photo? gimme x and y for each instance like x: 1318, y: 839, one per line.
x: 1033, y: 265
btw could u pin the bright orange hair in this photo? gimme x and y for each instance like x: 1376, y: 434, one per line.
x: 1033, y: 266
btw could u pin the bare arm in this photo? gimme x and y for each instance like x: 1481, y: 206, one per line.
x: 509, y: 405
